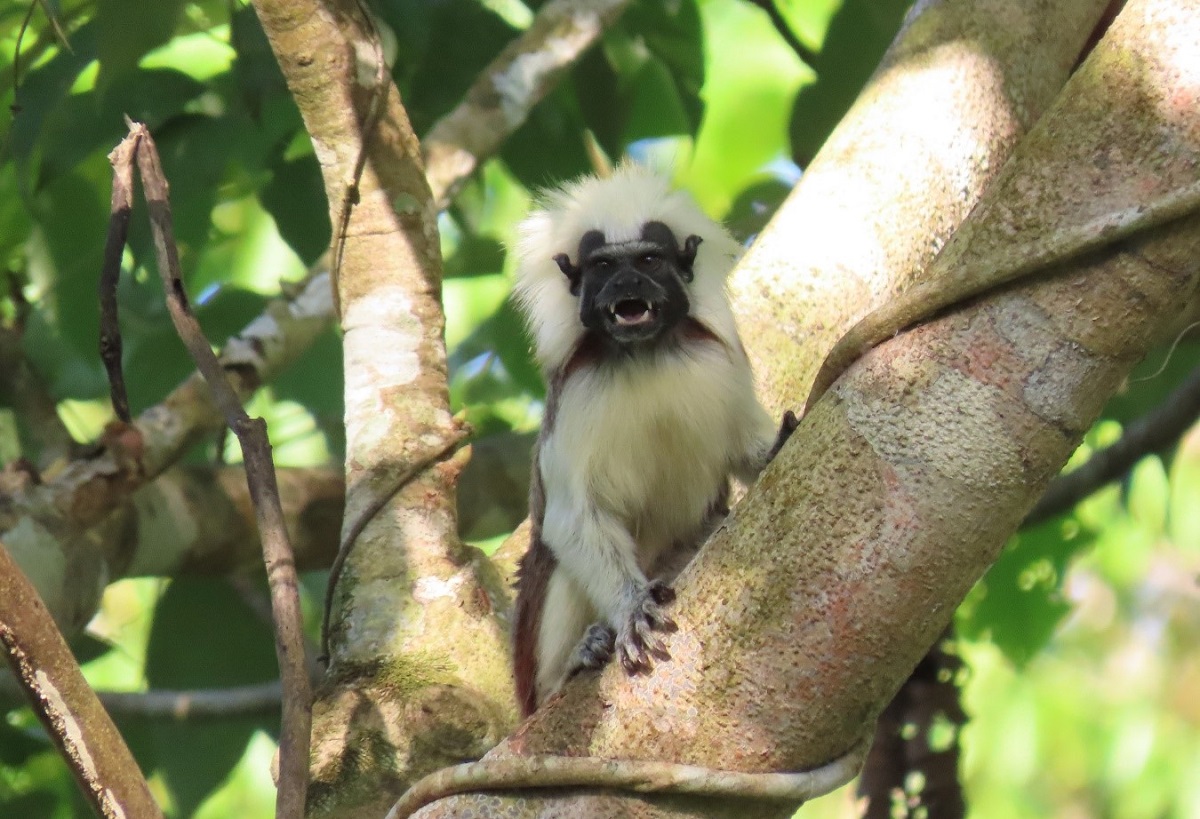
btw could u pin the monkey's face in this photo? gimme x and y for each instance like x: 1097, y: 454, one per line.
x: 632, y: 292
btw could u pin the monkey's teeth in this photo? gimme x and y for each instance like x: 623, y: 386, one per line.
x: 631, y: 312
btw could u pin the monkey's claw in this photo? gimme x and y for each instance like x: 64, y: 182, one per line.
x: 636, y: 641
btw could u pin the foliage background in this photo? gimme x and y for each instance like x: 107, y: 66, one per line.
x: 1081, y: 666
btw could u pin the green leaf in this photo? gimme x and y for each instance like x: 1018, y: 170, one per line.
x: 751, y: 78
x: 256, y: 72
x: 858, y: 35
x: 156, y: 360
x: 127, y: 29
x: 657, y: 108
x: 503, y: 334
x: 1153, y: 379
x: 1148, y: 492
x: 755, y: 206
x: 1184, y: 517
x: 73, y: 215
x: 463, y: 37
x: 1019, y: 602
x: 316, y: 381
x: 43, y: 90
x: 204, y: 636
x: 549, y: 146
x: 295, y: 197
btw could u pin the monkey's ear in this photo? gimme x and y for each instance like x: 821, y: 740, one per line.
x: 573, y: 273
x: 687, y: 256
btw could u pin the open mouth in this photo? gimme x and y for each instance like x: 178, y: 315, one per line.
x: 633, y: 312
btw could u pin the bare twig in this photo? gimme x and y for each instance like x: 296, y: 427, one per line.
x: 114, y: 247
x: 263, y: 699
x: 1153, y: 432
x: 260, y: 475
x: 76, y: 721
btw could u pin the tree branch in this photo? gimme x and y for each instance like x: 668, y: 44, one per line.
x: 263, y: 699
x: 110, y: 275
x: 295, y: 729
x: 78, y: 514
x: 507, y: 90
x: 890, y: 185
x: 901, y: 487
x: 407, y: 557
x: 1153, y: 432
x: 98, y: 758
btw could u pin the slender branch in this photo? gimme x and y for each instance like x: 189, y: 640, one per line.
x: 1153, y: 432
x: 506, y: 91
x: 263, y: 699
x: 76, y: 721
x: 110, y: 275
x: 260, y: 475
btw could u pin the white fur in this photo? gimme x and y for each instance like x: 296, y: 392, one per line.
x: 618, y: 205
x: 640, y: 448
x: 572, y: 614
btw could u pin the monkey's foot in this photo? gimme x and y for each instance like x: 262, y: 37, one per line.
x: 636, y: 640
x: 595, y: 649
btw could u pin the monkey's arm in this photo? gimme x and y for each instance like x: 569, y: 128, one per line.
x: 595, y: 549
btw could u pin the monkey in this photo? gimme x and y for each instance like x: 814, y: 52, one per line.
x: 650, y: 410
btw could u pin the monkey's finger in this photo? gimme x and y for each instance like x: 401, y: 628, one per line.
x: 634, y: 660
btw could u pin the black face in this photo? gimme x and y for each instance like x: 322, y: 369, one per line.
x: 632, y: 292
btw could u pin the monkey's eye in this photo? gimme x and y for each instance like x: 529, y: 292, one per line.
x: 649, y: 262
x: 603, y: 265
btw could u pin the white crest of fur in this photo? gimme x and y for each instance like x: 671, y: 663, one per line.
x: 618, y: 206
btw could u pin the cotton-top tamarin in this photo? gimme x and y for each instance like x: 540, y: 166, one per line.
x: 650, y: 409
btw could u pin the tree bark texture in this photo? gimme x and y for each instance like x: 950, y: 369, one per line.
x: 419, y: 661
x: 806, y: 611
x: 956, y: 91
x: 77, y: 723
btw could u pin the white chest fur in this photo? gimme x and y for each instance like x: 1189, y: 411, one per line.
x: 651, y: 441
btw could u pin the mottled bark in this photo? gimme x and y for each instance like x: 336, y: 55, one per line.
x: 419, y: 671
x: 501, y: 98
x: 105, y: 770
x: 804, y: 614
x: 963, y: 82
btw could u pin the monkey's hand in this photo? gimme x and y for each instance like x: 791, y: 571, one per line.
x: 786, y: 427
x: 595, y: 649
x: 635, y: 641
